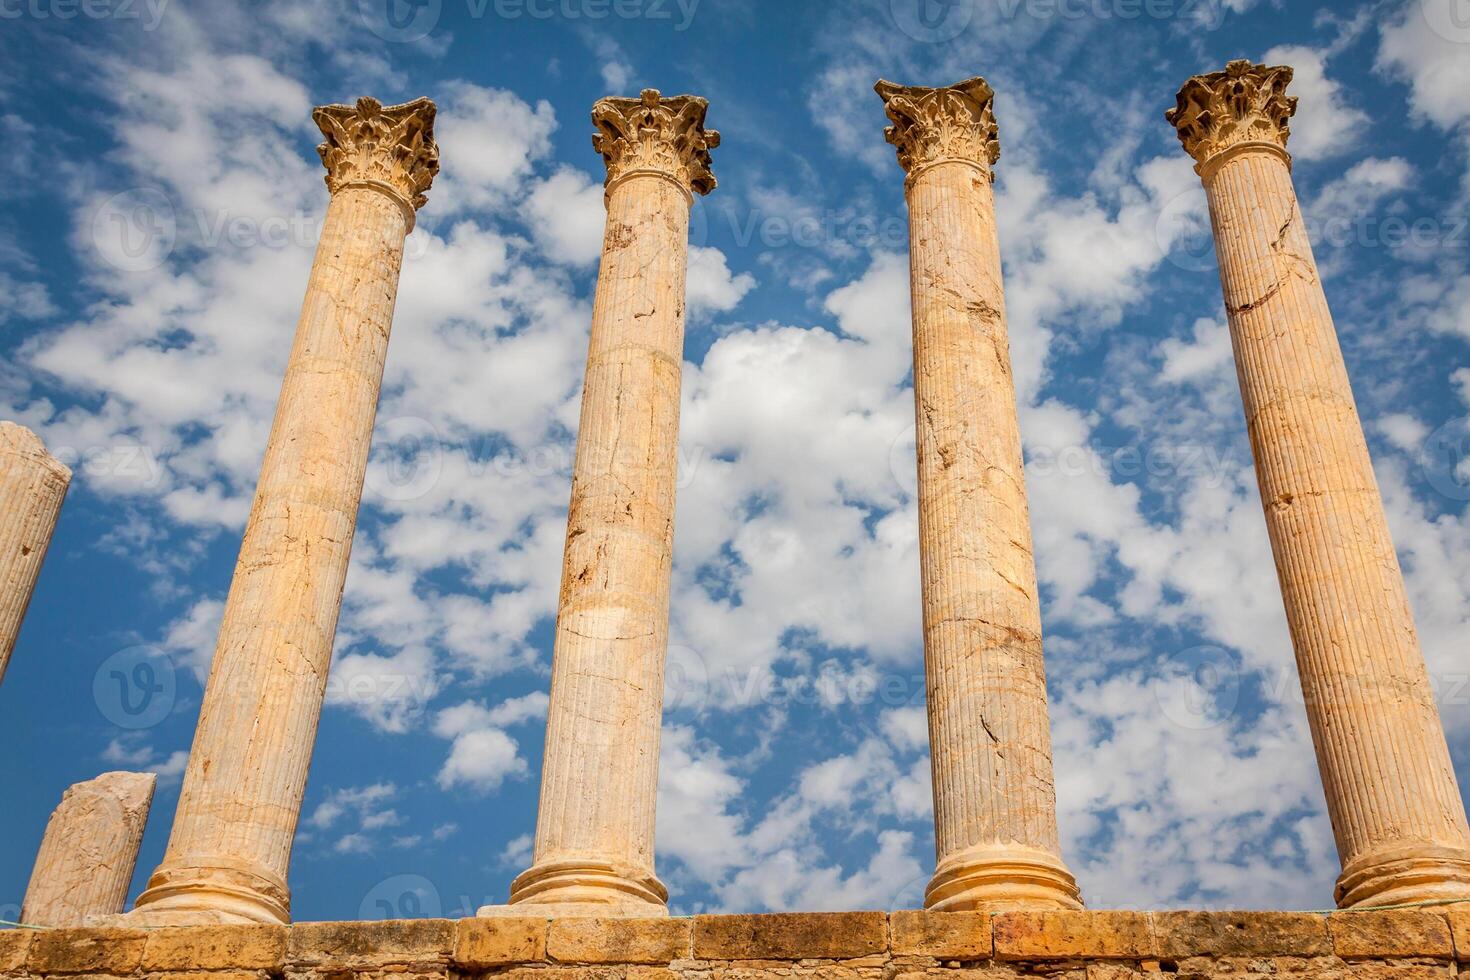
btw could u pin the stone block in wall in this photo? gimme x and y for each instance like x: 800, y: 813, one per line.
x: 790, y: 935
x: 1073, y: 935
x: 592, y: 940
x: 1404, y: 933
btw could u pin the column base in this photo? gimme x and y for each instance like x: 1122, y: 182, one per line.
x: 1405, y: 875
x: 993, y: 877
x: 582, y: 888
x: 183, y: 896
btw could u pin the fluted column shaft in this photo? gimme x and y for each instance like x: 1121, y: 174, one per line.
x: 994, y: 797
x: 599, y: 782
x: 85, y: 863
x: 33, y: 484
x: 228, y: 853
x: 1391, y: 790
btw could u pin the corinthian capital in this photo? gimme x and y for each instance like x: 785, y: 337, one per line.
x: 391, y: 148
x: 1245, y: 103
x: 658, y: 135
x: 956, y: 122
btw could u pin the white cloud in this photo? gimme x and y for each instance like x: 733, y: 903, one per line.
x: 711, y: 287
x: 1205, y: 353
x: 481, y: 759
x: 1425, y: 45
x: 1325, y: 124
x: 481, y: 754
x: 1404, y: 431
x: 566, y: 214
x: 488, y: 139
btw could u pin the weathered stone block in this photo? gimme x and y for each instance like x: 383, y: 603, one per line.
x: 653, y: 973
x: 497, y: 941
x: 1073, y: 935
x: 215, y: 948
x: 14, y: 944
x: 352, y: 944
x: 1379, y: 935
x: 564, y: 973
x: 1184, y: 934
x: 1460, y: 933
x: 114, y: 951
x: 942, y: 935
x: 662, y: 940
x: 790, y: 936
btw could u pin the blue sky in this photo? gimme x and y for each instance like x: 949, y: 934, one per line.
x: 160, y: 199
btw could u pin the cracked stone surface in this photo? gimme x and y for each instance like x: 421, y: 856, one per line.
x: 86, y: 859
x: 594, y: 832
x: 1391, y: 790
x: 994, y: 796
x: 230, y: 846
x: 33, y: 484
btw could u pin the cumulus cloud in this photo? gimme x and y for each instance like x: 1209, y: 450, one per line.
x: 481, y: 754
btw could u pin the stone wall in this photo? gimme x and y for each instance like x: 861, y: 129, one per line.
x: 843, y: 946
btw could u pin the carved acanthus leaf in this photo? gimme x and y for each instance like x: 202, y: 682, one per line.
x: 654, y: 133
x: 1245, y: 103
x: 956, y: 122
x: 387, y: 145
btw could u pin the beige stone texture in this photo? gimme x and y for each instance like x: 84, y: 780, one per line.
x: 942, y: 935
x: 230, y: 847
x: 15, y: 944
x: 833, y: 946
x: 33, y: 484
x: 487, y: 942
x: 253, y: 947
x: 1460, y: 928
x: 594, y: 833
x: 1391, y: 791
x: 589, y: 940
x: 116, y: 952
x: 994, y: 797
x: 1092, y: 935
x: 359, y: 946
x: 86, y: 859
x: 790, y: 935
x: 1404, y: 932
x: 1185, y: 934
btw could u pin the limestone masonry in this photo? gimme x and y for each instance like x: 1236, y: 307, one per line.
x: 1001, y: 902
x: 1064, y: 945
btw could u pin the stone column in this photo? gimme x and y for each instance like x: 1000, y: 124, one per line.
x: 995, y: 824
x: 86, y: 859
x: 32, y: 486
x: 1391, y: 791
x: 241, y: 798
x: 599, y: 780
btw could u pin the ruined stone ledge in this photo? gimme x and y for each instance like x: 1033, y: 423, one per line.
x: 1411, y: 944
